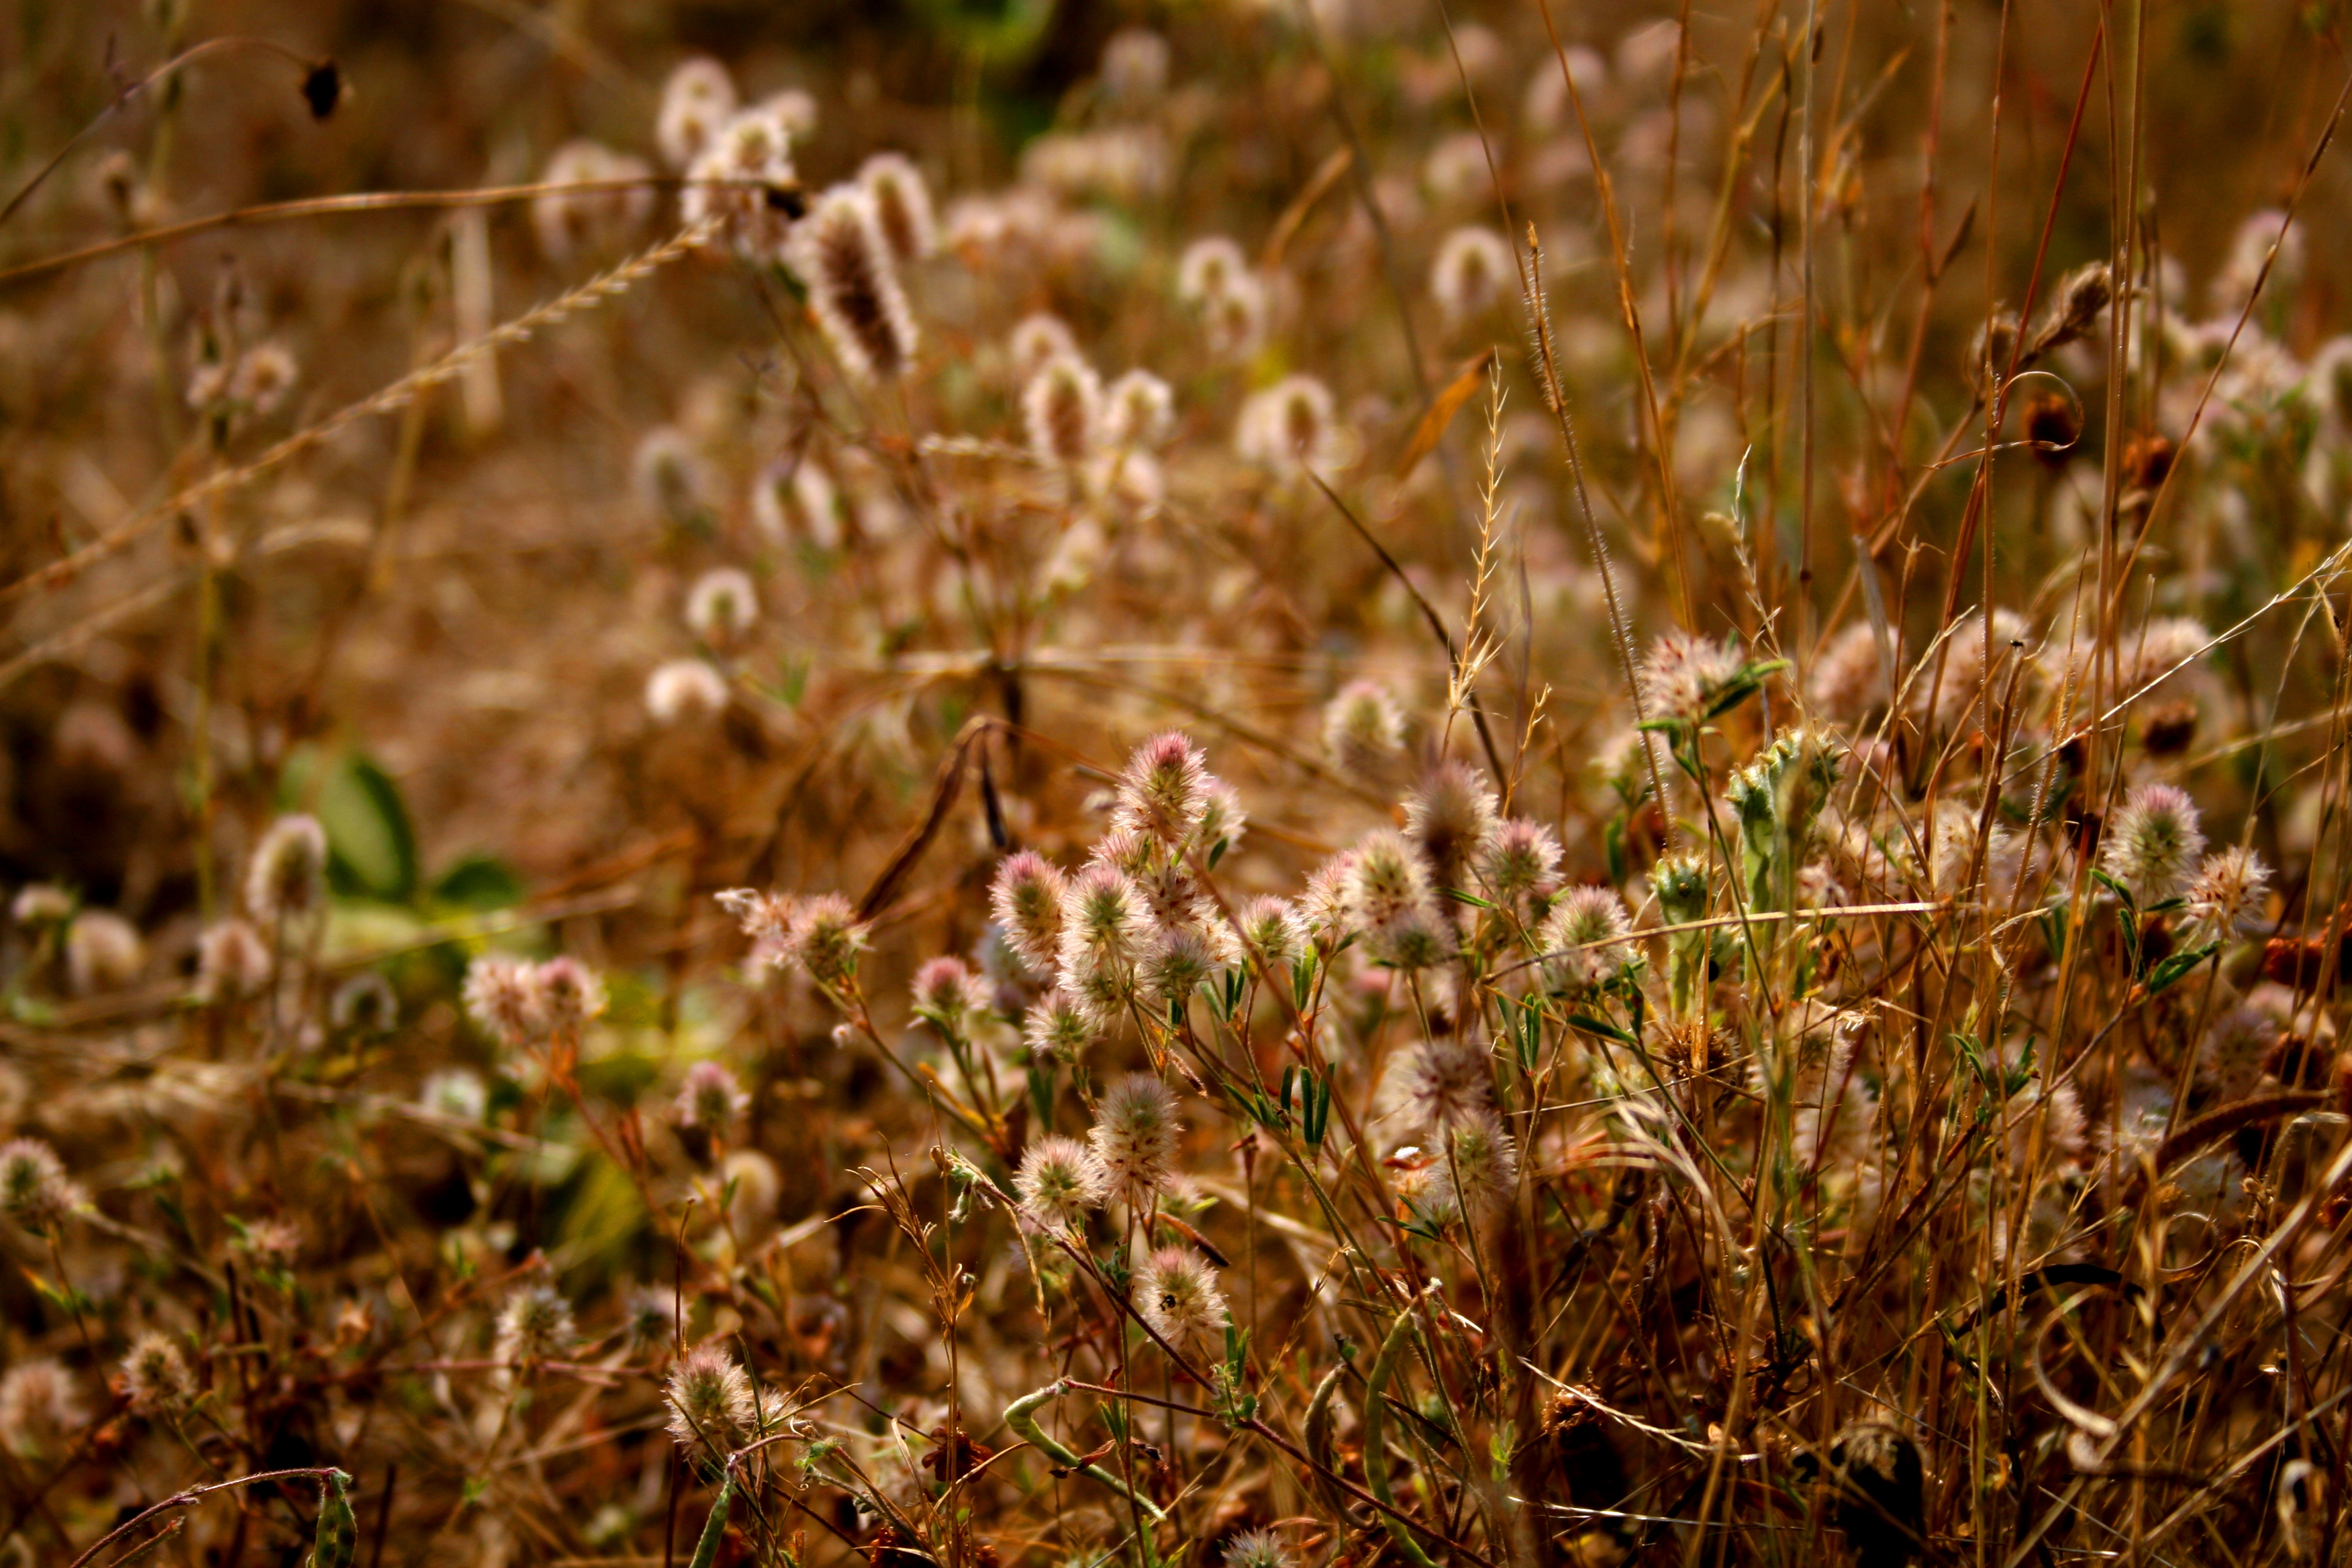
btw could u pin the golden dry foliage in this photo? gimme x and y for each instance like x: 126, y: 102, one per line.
x: 1256, y: 785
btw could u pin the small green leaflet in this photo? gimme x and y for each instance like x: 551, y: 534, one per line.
x: 337, y: 1543
x: 706, y: 1551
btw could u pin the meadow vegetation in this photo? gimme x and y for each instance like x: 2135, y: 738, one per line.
x: 1269, y: 783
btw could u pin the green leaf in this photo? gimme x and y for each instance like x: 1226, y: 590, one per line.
x: 479, y: 882
x: 337, y: 1542
x: 1317, y: 1112
x: 370, y: 848
x: 1459, y: 897
x: 621, y: 1078
x: 714, y: 1531
x: 2177, y: 966
x: 1601, y: 1027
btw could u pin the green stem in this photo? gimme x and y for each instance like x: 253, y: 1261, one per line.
x: 1020, y: 1417
x: 1376, y: 1469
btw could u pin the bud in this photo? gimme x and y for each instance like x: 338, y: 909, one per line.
x: 1026, y: 902
x: 1474, y: 269
x: 1059, y: 1181
x: 1062, y: 410
x: 902, y: 205
x: 155, y: 1376
x: 838, y: 251
x: 1135, y: 1135
x: 2152, y: 842
x: 710, y: 1400
x: 1176, y: 1292
x: 535, y: 1325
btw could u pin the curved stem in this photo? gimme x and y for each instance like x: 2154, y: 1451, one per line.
x: 1020, y: 1417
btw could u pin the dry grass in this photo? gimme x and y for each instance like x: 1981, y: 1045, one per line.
x: 1611, y: 876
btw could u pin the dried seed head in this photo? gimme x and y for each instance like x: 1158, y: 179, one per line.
x: 1259, y: 1549
x: 1176, y: 1291
x: 1386, y: 888
x: 2225, y: 896
x: 569, y: 222
x: 502, y: 999
x: 1234, y: 322
x: 794, y: 110
x: 1057, y: 1027
x: 1223, y: 818
x: 722, y: 605
x: 1059, y: 1181
x: 1520, y: 859
x: 287, y: 879
x: 649, y: 1318
x: 1988, y: 356
x: 1581, y: 919
x: 1685, y: 672
x: 569, y: 994
x: 2081, y: 295
x: 1061, y: 409
x: 1163, y: 790
x: 710, y: 1400
x: 1138, y: 411
x: 1101, y: 986
x: 1026, y: 902
x: 232, y: 961
x: 265, y: 373
x: 1290, y: 427
x: 798, y: 497
x: 1451, y: 818
x: 155, y: 1376
x: 1135, y: 65
x: 1474, y: 1171
x: 1474, y: 270
x: 1442, y: 1083
x: 698, y: 98
x: 2054, y: 424
x: 1036, y: 340
x: 458, y: 1093
x: 34, y: 1190
x: 743, y: 182
x: 2152, y: 842
x: 685, y: 688
x: 669, y: 475
x: 1135, y: 1135
x: 827, y: 938
x: 766, y: 918
x: 1180, y: 960
x: 1102, y: 917
x: 710, y: 1100
x: 949, y: 994
x: 41, y: 904
x: 1273, y: 929
x: 103, y: 953
x: 535, y: 1325
x: 902, y: 204
x: 839, y: 252
x: 275, y: 1244
x: 39, y: 1411
x: 1209, y: 268
x: 1363, y: 729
